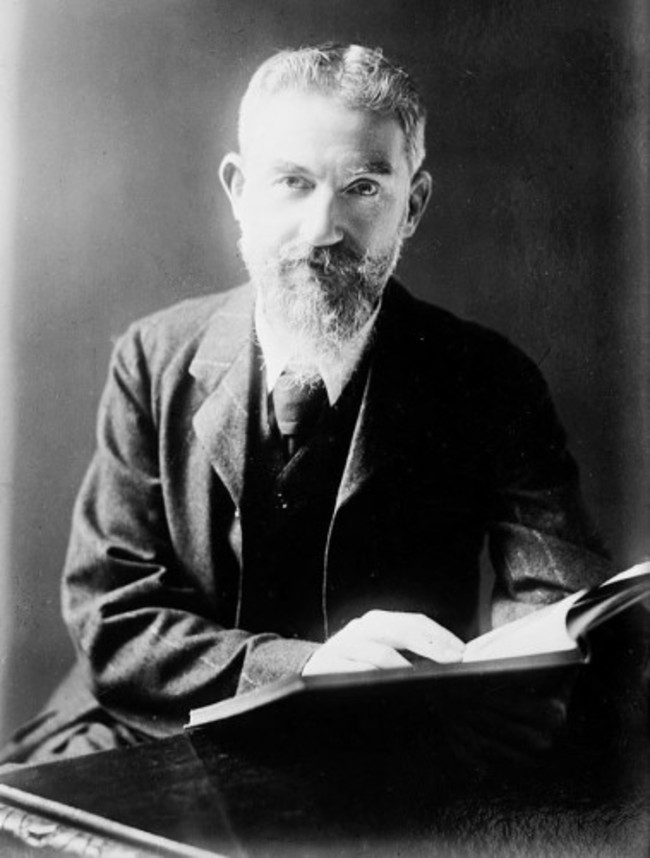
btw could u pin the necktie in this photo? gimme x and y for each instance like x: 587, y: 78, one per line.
x: 297, y: 409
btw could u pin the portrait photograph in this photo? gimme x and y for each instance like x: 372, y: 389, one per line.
x: 324, y: 351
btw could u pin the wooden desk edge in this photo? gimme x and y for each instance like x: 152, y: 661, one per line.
x: 26, y: 816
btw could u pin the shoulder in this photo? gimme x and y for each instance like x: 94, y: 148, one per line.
x: 449, y: 347
x: 188, y: 320
x: 491, y: 396
x: 175, y: 334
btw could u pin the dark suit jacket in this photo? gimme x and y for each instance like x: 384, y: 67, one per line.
x: 456, y: 438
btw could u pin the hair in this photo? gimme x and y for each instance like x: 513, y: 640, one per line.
x: 361, y: 78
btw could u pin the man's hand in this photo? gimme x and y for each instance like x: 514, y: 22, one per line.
x: 511, y: 727
x: 374, y: 642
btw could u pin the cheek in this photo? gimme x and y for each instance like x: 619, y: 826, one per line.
x: 265, y: 231
x: 377, y: 226
x: 380, y: 235
x: 266, y: 220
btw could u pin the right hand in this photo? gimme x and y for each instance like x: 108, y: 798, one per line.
x: 374, y: 641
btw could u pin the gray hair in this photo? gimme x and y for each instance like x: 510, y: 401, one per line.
x: 361, y: 78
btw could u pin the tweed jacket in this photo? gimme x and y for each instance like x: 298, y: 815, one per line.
x: 456, y: 440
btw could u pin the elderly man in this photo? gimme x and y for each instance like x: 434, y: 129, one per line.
x: 298, y: 475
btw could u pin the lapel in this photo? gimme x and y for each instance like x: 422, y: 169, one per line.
x: 222, y: 368
x: 406, y: 393
x: 378, y: 433
x: 391, y: 401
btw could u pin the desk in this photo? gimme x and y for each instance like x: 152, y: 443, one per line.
x: 178, y: 797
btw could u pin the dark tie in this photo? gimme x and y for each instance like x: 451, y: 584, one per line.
x: 297, y: 409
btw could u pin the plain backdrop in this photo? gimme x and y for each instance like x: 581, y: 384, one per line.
x: 122, y: 112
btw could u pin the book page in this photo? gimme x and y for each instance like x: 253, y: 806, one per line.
x: 544, y: 630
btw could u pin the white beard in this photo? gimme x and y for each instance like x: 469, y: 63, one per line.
x: 318, y: 299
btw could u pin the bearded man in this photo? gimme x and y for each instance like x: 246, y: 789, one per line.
x: 298, y: 475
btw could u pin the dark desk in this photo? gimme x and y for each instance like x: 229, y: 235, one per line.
x: 195, y: 796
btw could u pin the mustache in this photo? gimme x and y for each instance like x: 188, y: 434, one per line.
x: 335, y: 260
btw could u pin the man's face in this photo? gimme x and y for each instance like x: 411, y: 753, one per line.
x: 324, y: 198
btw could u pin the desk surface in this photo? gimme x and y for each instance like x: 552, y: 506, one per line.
x: 237, y: 803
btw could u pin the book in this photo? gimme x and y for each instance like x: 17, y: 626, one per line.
x: 563, y: 626
x: 543, y: 647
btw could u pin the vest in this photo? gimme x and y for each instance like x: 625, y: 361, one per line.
x: 286, y: 511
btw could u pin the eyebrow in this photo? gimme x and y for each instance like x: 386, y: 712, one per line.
x: 287, y: 167
x: 376, y: 167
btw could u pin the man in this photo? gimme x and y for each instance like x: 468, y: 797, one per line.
x: 298, y: 475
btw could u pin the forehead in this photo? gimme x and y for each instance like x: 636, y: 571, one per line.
x: 292, y: 125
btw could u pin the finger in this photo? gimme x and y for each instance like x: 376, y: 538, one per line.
x: 329, y: 662
x: 409, y: 631
x: 345, y: 665
x: 369, y: 652
x: 387, y: 624
x: 435, y: 646
x: 430, y: 640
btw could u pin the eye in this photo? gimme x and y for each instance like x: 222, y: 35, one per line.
x: 293, y: 183
x: 363, y: 188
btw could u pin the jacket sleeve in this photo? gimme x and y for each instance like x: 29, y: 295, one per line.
x: 143, y: 632
x: 543, y: 546
x: 542, y: 542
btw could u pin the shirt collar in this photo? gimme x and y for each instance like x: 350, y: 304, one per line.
x: 335, y: 374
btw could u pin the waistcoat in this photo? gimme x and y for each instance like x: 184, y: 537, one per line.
x: 287, y: 508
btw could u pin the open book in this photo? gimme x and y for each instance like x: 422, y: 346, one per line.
x: 543, y: 644
x: 562, y: 626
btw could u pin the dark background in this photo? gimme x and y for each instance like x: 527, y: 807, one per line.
x: 536, y: 228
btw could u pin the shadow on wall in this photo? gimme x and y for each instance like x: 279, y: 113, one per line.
x: 124, y: 114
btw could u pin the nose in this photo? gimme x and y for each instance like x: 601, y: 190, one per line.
x: 320, y: 224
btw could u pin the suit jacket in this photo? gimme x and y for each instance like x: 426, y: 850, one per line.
x: 456, y: 440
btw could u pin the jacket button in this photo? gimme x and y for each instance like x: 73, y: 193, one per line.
x: 283, y: 503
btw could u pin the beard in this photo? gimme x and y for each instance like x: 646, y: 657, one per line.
x: 319, y: 298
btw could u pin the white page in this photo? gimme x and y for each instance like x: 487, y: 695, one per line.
x: 542, y: 631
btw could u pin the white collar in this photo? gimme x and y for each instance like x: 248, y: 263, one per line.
x: 335, y: 374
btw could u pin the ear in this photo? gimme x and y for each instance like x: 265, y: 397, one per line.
x: 232, y: 179
x: 418, y: 199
